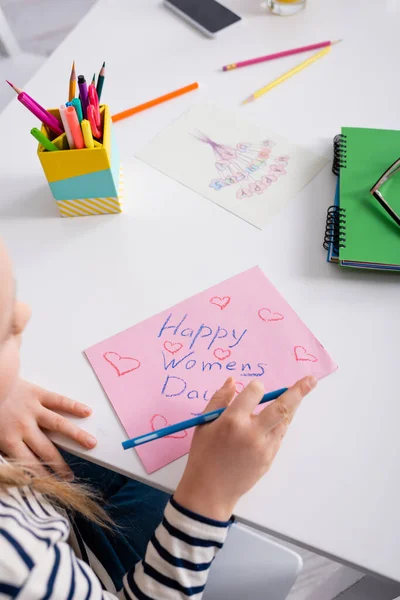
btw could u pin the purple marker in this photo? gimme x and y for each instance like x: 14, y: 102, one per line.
x: 83, y: 94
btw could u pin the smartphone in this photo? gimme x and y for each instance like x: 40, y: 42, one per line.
x: 209, y: 16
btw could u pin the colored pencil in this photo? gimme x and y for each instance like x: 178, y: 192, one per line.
x: 45, y: 117
x: 255, y: 61
x: 16, y: 89
x: 31, y: 104
x: 72, y: 83
x: 286, y: 75
x: 200, y: 420
x: 93, y: 82
x: 100, y: 80
x: 132, y: 111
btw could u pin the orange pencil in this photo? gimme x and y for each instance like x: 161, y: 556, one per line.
x: 72, y: 83
x: 75, y: 128
x: 132, y: 111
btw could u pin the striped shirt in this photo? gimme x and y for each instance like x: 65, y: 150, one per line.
x: 42, y: 556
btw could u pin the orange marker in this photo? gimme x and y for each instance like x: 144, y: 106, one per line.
x: 132, y: 111
x: 75, y: 128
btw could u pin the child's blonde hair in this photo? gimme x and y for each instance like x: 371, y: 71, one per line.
x: 74, y: 497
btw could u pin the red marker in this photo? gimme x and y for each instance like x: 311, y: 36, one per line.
x: 91, y: 115
x: 94, y: 101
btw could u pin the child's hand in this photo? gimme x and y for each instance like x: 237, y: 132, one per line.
x: 25, y: 417
x: 229, y: 455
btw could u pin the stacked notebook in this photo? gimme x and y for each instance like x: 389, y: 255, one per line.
x: 359, y: 232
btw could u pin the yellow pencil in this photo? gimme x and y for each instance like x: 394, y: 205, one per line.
x: 72, y: 83
x: 286, y: 75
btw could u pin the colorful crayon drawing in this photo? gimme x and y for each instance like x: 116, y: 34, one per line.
x: 250, y: 166
x: 247, y: 169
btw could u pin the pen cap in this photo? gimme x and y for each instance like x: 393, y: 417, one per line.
x: 85, y: 181
x: 78, y: 107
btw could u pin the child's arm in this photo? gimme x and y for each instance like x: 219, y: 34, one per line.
x: 227, y: 457
x: 175, y: 567
x: 178, y: 557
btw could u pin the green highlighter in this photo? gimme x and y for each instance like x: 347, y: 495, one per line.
x: 42, y: 139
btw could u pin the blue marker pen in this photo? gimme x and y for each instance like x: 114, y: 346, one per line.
x: 200, y: 420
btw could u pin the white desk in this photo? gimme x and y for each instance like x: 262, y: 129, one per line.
x: 335, y: 485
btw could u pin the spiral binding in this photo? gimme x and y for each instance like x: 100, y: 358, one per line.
x: 339, y: 153
x: 335, y: 229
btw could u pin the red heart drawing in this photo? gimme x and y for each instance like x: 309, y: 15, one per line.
x: 221, y: 354
x: 239, y: 386
x: 302, y: 355
x: 159, y: 421
x: 122, y: 364
x: 221, y: 302
x: 266, y: 314
x: 172, y: 347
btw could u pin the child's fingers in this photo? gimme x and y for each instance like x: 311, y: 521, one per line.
x: 22, y: 454
x: 248, y: 399
x: 55, y: 401
x: 47, y: 419
x: 223, y: 396
x: 41, y: 445
x: 282, y: 410
x: 278, y: 433
x: 275, y: 438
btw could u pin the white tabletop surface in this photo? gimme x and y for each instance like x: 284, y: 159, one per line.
x: 335, y: 484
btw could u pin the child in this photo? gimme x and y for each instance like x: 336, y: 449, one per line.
x: 98, y: 552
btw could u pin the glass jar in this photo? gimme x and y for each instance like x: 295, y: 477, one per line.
x: 285, y: 8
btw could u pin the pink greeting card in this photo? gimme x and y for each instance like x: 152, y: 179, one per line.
x: 166, y: 369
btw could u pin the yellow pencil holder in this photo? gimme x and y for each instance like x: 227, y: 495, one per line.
x: 88, y: 181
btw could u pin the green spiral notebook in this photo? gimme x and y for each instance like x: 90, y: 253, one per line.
x: 364, y: 235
